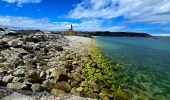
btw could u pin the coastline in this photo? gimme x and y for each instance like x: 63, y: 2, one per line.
x: 72, y: 66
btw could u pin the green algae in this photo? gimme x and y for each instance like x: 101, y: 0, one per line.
x: 109, y: 76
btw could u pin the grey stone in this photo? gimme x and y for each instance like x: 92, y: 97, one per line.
x: 19, y: 73
x: 7, y: 79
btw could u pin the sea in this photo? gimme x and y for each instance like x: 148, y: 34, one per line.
x: 146, y: 61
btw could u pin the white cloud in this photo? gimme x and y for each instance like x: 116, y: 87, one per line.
x: 161, y: 34
x: 45, y: 24
x: 148, y: 11
x: 20, y: 2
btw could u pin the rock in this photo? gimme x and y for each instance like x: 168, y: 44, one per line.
x: 36, y: 87
x: 16, y: 85
x: 80, y: 89
x: 5, y: 65
x: 59, y: 74
x: 19, y: 50
x: 2, y: 72
x: 106, y: 98
x: 2, y: 59
x: 48, y: 85
x: 15, y: 42
x: 18, y: 79
x: 74, y: 63
x: 33, y: 76
x: 95, y: 87
x: 73, y: 90
x: 64, y: 86
x: 19, y: 73
x: 57, y: 91
x: 84, y: 83
x: 74, y: 84
x: 42, y: 75
x: 77, y: 77
x: 7, y: 79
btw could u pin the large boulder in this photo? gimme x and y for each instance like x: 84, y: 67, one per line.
x: 16, y: 85
x: 65, y: 86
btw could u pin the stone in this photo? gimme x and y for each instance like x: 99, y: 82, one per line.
x: 79, y: 89
x: 19, y: 73
x: 19, y: 50
x: 16, y: 85
x: 42, y: 75
x: 36, y: 87
x: 18, y: 79
x: 106, y: 98
x: 95, y: 87
x: 84, y: 83
x: 33, y: 76
x: 77, y: 77
x: 57, y: 91
x: 2, y: 59
x: 5, y: 65
x: 64, y: 86
x: 15, y: 42
x: 48, y: 85
x: 74, y: 63
x: 7, y: 79
x: 59, y: 74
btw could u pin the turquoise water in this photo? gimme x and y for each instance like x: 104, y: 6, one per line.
x: 147, y: 64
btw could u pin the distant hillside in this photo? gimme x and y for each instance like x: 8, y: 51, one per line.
x: 117, y: 34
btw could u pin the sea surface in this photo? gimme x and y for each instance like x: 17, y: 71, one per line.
x: 146, y: 62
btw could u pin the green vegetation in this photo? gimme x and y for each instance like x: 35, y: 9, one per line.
x: 104, y: 77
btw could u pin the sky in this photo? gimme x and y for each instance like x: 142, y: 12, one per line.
x: 151, y: 16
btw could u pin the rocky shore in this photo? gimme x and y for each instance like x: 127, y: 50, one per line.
x: 43, y: 63
x: 58, y: 67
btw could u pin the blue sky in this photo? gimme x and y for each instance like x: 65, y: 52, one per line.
x: 152, y: 16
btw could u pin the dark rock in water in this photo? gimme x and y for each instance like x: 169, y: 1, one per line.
x: 64, y: 86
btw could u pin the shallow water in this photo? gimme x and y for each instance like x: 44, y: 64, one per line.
x: 147, y: 64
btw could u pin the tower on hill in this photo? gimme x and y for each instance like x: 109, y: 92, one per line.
x: 70, y: 32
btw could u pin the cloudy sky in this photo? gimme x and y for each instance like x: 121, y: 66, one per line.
x: 152, y: 16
